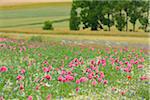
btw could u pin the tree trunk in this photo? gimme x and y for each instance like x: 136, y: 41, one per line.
x: 120, y: 17
x: 134, y: 27
x: 108, y: 22
x: 94, y: 29
x: 126, y: 22
x: 127, y: 14
x: 148, y: 20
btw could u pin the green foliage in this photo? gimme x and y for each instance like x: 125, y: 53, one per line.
x: 95, y: 14
x: 48, y: 25
x: 74, y: 19
x: 120, y: 22
x: 144, y: 23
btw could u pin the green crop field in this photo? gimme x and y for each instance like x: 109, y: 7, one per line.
x: 33, y: 15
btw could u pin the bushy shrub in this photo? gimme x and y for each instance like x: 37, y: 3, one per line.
x: 48, y: 25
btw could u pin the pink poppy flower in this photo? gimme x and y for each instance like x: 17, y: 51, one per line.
x: 136, y: 62
x: 103, y: 61
x: 94, y: 83
x: 112, y: 62
x: 49, y: 97
x: 127, y: 69
x: 77, y: 89
x: 30, y: 98
x: 21, y: 49
x: 92, y: 67
x: 126, y: 62
x: 77, y: 81
x: 117, y: 68
x: 37, y: 88
x: 122, y: 92
x: 104, y: 64
x: 50, y: 67
x: 45, y: 69
x: 60, y: 78
x: 90, y: 76
x: 129, y: 65
x: 142, y: 59
x: 96, y: 76
x: 132, y: 61
x: 121, y: 63
x: 83, y: 79
x: 45, y: 62
x: 142, y: 78
x: 92, y: 62
x: 113, y: 89
x: 3, y: 69
x: 88, y: 70
x: 102, y: 74
x: 21, y: 87
x: 63, y: 72
x: 19, y: 77
x: 99, y: 79
x: 105, y: 82
x: 140, y: 66
x: 124, y: 58
x: 69, y: 73
x: 69, y: 77
x: 23, y: 71
x: 99, y: 62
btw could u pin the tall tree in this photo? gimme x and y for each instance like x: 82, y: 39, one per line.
x: 74, y: 19
x: 119, y: 16
x: 135, y: 12
x: 144, y: 15
x: 126, y: 8
x: 120, y: 21
x: 108, y: 10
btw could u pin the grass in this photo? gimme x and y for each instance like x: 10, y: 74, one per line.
x: 33, y: 15
x: 34, y: 55
x: 32, y: 22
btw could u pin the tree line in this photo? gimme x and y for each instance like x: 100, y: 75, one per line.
x: 96, y: 14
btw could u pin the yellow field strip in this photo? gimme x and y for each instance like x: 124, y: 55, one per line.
x: 67, y: 32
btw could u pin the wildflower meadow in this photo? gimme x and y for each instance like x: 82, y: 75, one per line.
x: 56, y: 71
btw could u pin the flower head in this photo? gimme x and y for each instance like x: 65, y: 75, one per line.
x: 129, y: 77
x: 30, y: 98
x: 3, y: 69
x: 94, y: 83
x: 19, y: 77
x: 105, y: 82
x: 48, y: 77
x: 23, y: 71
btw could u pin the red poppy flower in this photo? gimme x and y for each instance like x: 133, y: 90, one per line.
x: 48, y: 77
x: 129, y: 77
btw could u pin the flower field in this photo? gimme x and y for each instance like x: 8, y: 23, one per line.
x: 32, y: 70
